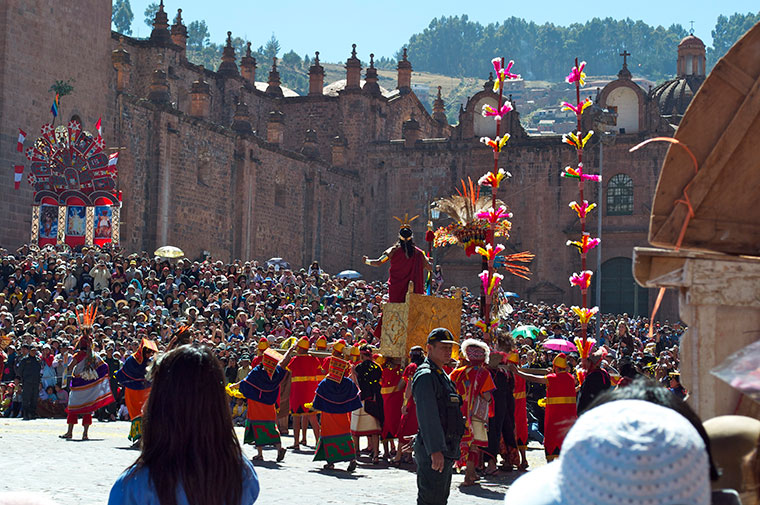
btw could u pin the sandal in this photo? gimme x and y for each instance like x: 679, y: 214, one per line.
x: 351, y: 466
x: 257, y: 458
x: 329, y: 466
x: 65, y: 436
x: 85, y: 437
x: 468, y: 483
x: 280, y: 454
x: 492, y: 471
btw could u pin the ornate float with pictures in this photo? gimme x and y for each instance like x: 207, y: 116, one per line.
x: 76, y: 201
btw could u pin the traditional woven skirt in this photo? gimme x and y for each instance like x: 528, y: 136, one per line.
x: 335, y: 442
x: 363, y: 424
x: 87, y: 397
x: 135, y: 400
x: 261, y: 425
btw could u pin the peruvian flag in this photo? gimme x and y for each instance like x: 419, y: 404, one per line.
x: 18, y: 172
x: 97, y: 127
x: 21, y: 138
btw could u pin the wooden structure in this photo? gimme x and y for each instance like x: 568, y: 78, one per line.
x: 408, y: 324
x: 707, y: 219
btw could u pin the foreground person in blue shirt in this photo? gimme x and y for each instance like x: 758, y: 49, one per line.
x: 190, y: 454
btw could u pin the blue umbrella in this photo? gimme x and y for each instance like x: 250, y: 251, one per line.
x: 510, y: 294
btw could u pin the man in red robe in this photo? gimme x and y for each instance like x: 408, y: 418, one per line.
x: 560, y: 404
x: 392, y: 390
x: 408, y: 264
x: 305, y: 371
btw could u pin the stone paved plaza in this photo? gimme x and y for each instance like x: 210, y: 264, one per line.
x: 75, y: 472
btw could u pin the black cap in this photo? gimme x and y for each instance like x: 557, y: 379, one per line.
x: 441, y: 335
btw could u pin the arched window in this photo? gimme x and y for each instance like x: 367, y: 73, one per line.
x: 620, y: 196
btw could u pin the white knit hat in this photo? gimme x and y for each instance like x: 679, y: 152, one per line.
x: 623, y: 452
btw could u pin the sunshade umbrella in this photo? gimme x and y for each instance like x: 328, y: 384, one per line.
x: 510, y: 294
x: 349, y: 274
x: 169, y: 251
x: 526, y: 331
x: 559, y: 345
x: 278, y: 264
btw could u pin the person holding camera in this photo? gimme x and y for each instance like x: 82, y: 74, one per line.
x: 441, y: 424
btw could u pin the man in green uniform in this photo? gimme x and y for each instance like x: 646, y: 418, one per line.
x: 441, y: 424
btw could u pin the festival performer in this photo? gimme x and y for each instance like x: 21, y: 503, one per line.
x: 501, y: 425
x: 408, y: 263
x: 336, y: 397
x: 354, y: 355
x: 560, y: 403
x: 262, y: 388
x: 474, y: 385
x: 305, y: 370
x: 90, y: 387
x: 367, y: 421
x: 521, y: 412
x: 136, y: 386
x: 408, y: 425
x: 392, y: 389
x: 262, y: 346
x: 595, y: 379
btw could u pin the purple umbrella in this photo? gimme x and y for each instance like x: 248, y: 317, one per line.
x: 559, y: 345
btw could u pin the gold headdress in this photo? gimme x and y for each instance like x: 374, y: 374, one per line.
x: 406, y: 222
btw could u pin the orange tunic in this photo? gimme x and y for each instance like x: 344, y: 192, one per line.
x: 560, y: 411
x: 305, y: 373
x: 392, y: 402
x: 521, y: 413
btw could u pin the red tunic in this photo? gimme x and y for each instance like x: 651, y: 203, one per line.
x: 305, y: 373
x: 408, y: 425
x: 392, y: 401
x: 560, y: 411
x: 403, y: 271
x: 521, y: 413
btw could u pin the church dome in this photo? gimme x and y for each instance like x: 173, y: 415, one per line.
x: 673, y: 96
x: 691, y: 41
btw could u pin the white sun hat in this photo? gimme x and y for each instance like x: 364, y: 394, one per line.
x: 626, y: 452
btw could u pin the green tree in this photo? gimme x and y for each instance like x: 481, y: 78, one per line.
x: 197, y: 35
x: 727, y: 31
x: 150, y: 14
x: 121, y: 16
x: 291, y: 59
x: 271, y: 48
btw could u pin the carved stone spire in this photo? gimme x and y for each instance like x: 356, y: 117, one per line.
x: 228, y: 68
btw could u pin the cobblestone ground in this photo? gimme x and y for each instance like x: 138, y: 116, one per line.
x: 74, y: 472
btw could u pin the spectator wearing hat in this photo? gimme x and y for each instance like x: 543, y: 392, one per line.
x: 636, y: 451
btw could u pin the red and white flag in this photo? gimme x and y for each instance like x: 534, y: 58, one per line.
x: 18, y: 172
x: 21, y: 138
x: 113, y: 159
x: 97, y: 127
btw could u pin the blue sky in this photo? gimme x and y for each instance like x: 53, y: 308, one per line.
x: 330, y: 27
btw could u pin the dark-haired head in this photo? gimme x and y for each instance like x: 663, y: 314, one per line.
x: 188, y: 435
x: 406, y: 241
x: 646, y: 389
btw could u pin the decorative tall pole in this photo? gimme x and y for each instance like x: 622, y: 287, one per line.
x: 582, y: 207
x: 497, y: 218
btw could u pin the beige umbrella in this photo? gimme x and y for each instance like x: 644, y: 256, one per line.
x: 169, y: 251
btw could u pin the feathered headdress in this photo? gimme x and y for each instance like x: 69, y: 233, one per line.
x: 85, y: 320
x: 180, y: 337
x: 465, y: 206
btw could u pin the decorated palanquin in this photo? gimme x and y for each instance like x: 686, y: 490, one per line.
x: 408, y: 324
x: 76, y: 200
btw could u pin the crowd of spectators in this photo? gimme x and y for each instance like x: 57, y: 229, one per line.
x: 231, y: 306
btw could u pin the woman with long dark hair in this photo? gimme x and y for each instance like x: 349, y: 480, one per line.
x: 190, y: 454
